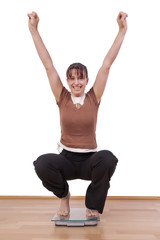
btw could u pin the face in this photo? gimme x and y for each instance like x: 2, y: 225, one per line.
x: 77, y: 84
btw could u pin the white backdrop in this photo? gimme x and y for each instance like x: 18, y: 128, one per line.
x: 129, y: 118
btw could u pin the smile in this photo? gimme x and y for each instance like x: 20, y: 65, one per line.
x: 77, y: 88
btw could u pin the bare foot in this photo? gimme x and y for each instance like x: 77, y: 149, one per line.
x: 92, y: 213
x: 64, y: 208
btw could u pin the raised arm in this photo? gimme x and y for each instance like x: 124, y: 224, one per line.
x: 102, y: 76
x: 54, y: 79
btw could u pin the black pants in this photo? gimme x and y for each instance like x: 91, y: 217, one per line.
x: 55, y: 169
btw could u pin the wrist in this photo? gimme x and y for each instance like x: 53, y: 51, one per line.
x: 33, y: 30
x: 122, y: 31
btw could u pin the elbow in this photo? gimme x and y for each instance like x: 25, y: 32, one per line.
x: 48, y: 66
x: 106, y: 68
x: 106, y: 65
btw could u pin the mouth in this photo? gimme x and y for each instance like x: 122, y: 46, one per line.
x: 77, y: 88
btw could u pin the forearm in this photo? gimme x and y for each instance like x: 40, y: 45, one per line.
x: 41, y: 49
x: 114, y: 50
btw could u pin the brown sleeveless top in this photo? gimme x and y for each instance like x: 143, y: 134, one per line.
x: 78, y: 126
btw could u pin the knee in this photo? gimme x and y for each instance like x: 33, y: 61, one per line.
x: 110, y: 162
x: 108, y: 159
x: 41, y: 164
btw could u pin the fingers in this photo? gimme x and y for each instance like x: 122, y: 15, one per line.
x: 33, y: 15
x: 122, y: 16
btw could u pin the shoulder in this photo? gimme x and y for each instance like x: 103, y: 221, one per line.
x: 91, y: 95
x: 64, y: 96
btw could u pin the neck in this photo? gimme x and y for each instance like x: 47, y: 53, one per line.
x: 81, y: 95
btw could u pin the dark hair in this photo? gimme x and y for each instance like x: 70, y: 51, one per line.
x: 80, y: 68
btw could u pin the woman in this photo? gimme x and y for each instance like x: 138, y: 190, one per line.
x: 79, y: 158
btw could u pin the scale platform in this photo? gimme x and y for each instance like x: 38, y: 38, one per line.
x: 76, y: 218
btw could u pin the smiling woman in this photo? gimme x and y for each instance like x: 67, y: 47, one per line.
x: 77, y: 78
x: 79, y: 158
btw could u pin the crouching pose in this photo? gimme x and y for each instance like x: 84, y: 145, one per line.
x: 79, y: 158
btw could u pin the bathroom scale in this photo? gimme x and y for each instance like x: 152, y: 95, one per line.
x: 76, y: 218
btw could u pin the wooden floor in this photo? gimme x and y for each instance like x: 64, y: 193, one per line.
x: 30, y: 219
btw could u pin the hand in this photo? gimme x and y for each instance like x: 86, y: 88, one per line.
x: 121, y: 20
x: 33, y: 20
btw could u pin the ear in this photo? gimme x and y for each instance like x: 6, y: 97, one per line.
x: 87, y: 79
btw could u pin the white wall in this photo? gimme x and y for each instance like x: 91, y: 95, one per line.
x: 128, y: 123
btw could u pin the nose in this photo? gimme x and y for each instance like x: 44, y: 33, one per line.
x: 76, y: 81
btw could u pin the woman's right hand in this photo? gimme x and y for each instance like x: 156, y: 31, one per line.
x: 33, y: 21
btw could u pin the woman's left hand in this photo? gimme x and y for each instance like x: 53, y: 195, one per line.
x: 121, y: 20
